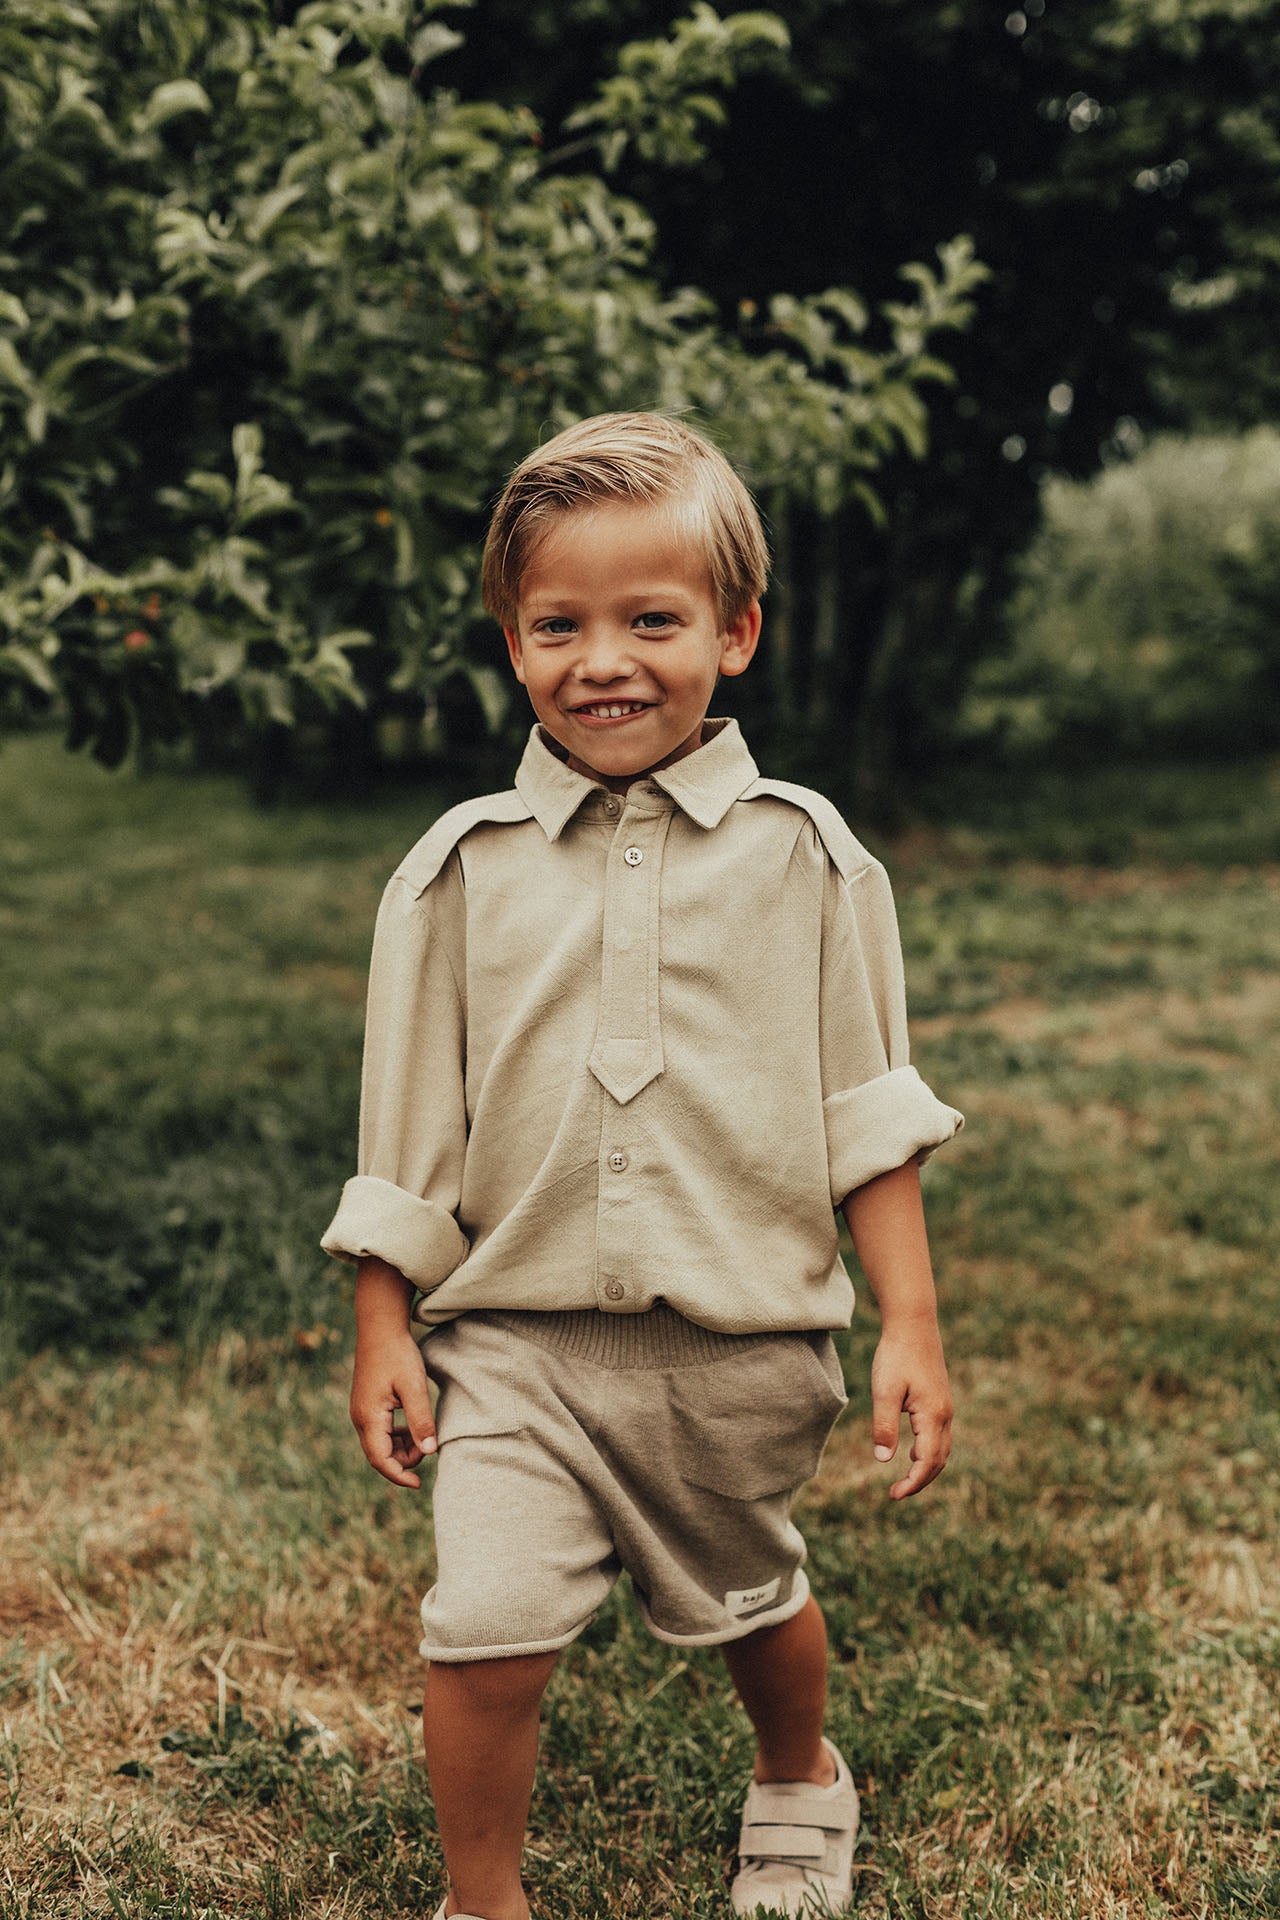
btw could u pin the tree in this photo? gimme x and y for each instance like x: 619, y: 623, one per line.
x: 1118, y: 166
x: 278, y: 311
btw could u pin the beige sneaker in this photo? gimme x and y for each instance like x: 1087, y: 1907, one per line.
x: 795, y: 1851
x: 454, y: 1916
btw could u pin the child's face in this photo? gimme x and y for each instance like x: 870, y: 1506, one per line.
x: 619, y: 641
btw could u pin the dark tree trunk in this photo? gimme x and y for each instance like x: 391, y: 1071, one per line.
x: 779, y: 629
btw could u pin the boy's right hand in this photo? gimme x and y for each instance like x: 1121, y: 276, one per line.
x: 389, y: 1373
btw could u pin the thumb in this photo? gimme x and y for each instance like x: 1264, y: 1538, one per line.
x: 886, y: 1412
x: 416, y: 1402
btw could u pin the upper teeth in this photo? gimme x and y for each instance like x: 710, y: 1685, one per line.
x: 616, y: 711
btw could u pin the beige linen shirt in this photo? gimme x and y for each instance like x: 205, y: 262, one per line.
x: 623, y: 1049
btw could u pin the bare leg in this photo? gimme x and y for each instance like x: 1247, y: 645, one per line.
x: 781, y: 1676
x: 480, y: 1731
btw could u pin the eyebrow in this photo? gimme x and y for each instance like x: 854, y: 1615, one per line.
x: 647, y: 598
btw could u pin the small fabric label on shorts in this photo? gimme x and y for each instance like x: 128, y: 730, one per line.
x: 747, y: 1599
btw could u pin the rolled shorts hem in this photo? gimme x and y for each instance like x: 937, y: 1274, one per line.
x: 722, y: 1636
x: 458, y: 1656
x: 715, y: 1637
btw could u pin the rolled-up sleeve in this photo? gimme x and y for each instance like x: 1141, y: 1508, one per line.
x: 402, y: 1203
x: 877, y: 1110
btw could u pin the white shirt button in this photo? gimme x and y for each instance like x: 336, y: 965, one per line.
x: 615, y: 1290
x: 612, y: 805
x: 618, y: 1162
x: 633, y: 856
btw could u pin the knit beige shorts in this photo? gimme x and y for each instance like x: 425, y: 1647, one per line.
x: 573, y: 1446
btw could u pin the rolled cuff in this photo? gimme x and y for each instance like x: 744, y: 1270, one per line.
x: 418, y: 1236
x: 881, y: 1125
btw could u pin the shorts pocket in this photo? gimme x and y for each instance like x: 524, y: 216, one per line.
x: 755, y: 1423
x: 471, y: 1363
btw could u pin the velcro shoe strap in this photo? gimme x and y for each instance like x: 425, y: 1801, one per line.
x: 758, y: 1842
x: 797, y: 1809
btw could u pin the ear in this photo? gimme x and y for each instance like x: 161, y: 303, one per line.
x: 738, y: 641
x: 512, y: 637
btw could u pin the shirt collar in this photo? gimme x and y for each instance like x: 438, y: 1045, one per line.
x: 704, y: 784
x: 708, y: 781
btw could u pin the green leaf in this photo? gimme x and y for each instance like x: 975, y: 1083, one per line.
x: 429, y: 42
x: 12, y: 369
x: 36, y: 418
x: 845, y: 304
x: 277, y: 698
x: 12, y: 311
x: 212, y: 486
x: 268, y: 210
x: 171, y: 99
x: 246, y: 448
x: 28, y: 664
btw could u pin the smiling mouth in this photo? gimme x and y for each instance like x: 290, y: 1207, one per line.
x: 611, y: 709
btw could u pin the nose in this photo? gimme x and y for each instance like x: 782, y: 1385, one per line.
x: 605, y: 656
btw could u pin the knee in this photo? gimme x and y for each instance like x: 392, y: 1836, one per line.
x: 511, y: 1685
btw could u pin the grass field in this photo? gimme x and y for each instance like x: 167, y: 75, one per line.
x: 1055, y: 1674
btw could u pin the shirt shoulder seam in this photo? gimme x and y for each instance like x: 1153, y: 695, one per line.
x: 845, y: 851
x: 422, y: 864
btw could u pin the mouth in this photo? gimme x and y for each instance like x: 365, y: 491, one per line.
x: 606, y: 710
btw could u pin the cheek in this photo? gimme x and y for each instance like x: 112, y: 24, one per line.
x: 540, y: 681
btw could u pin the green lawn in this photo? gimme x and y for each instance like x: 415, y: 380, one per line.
x: 1055, y: 1673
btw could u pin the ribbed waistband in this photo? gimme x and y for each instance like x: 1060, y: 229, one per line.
x: 661, y: 1337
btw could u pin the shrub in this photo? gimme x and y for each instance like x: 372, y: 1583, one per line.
x: 1147, y: 618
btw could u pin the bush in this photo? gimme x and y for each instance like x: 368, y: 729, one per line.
x: 1147, y: 618
x: 278, y: 313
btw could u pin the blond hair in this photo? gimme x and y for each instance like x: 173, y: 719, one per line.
x: 644, y: 458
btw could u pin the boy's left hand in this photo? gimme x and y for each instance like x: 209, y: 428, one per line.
x: 909, y: 1374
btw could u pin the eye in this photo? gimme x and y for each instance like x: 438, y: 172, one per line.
x: 555, y: 628
x: 652, y: 622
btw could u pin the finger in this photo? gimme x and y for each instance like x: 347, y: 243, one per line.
x: 929, y: 1452
x: 411, y: 1388
x: 379, y: 1443
x: 922, y: 1472
x: 407, y: 1450
x: 393, y: 1469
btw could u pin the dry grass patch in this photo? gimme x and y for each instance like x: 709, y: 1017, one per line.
x: 181, y: 1620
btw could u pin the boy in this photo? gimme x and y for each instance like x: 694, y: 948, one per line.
x: 636, y: 1029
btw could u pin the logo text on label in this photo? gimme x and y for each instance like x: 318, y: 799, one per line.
x: 747, y: 1599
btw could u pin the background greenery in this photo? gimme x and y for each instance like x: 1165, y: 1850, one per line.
x: 285, y: 290
x: 1054, y: 1674
x: 279, y: 311
x: 1147, y: 610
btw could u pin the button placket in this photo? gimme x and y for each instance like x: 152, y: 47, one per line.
x: 627, y: 1052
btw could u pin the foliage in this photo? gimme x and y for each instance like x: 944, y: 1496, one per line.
x: 657, y: 101
x: 277, y: 312
x: 1148, y: 614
